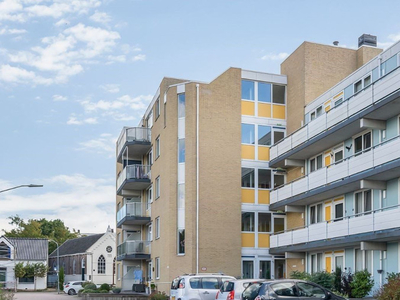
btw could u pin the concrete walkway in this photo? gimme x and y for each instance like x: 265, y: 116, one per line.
x: 42, y: 296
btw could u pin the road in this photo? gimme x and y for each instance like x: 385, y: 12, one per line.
x: 42, y: 296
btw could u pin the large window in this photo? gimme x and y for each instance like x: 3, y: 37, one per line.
x: 264, y: 92
x: 363, y: 202
x: 248, y: 221
x: 264, y: 179
x: 248, y: 134
x: 264, y: 135
x: 316, y: 262
x: 265, y: 269
x: 247, y: 90
x: 316, y: 213
x: 248, y: 177
x: 264, y: 222
x: 101, y: 265
x: 362, y: 142
x: 248, y: 269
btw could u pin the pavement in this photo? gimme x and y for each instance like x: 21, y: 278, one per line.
x: 42, y: 296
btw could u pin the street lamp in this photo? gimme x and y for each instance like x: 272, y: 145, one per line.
x: 23, y: 185
x: 58, y: 267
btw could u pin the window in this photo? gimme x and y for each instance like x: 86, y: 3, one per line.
x: 181, y: 105
x: 316, y: 163
x: 339, y: 210
x: 248, y: 269
x: 265, y: 269
x: 362, y: 202
x: 264, y: 222
x: 264, y: 135
x: 210, y: 283
x: 119, y: 238
x: 358, y: 86
x: 279, y: 224
x: 338, y: 154
x: 149, y: 273
x: 247, y: 90
x: 308, y: 290
x: 101, y: 265
x: 4, y: 251
x: 149, y: 193
x: 150, y: 232
x: 165, y: 114
x: 316, y: 263
x: 157, y: 147
x: 248, y: 177
x: 284, y: 289
x: 278, y: 135
x: 150, y: 158
x: 3, y: 274
x: 339, y: 262
x: 150, y: 119
x: 362, y: 142
x: 338, y: 101
x: 278, y: 94
x: 118, y: 272
x: 157, y: 227
x: 157, y: 107
x: 389, y: 65
x: 363, y: 260
x: 279, y: 179
x: 248, y: 134
x: 181, y: 241
x: 157, y: 187
x: 316, y: 213
x: 181, y: 150
x: 264, y: 92
x: 248, y: 221
x: 367, y: 81
x: 157, y: 268
x: 264, y: 179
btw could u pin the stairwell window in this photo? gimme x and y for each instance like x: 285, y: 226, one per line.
x: 157, y: 227
x: 101, y: 265
x: 157, y: 268
x: 157, y: 147
x: 158, y: 187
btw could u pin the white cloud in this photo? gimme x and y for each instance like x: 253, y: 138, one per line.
x: 393, y: 38
x: 118, y: 58
x: 105, y: 144
x: 74, y: 121
x: 62, y: 22
x: 128, y: 49
x: 111, y: 88
x: 139, y: 57
x: 272, y: 56
x: 100, y: 17
x: 19, y: 75
x: 11, y: 31
x: 99, y: 195
x: 59, y: 98
x: 123, y: 102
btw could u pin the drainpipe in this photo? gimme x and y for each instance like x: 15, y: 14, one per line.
x: 197, y: 178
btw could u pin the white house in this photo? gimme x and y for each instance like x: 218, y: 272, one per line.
x: 26, y: 250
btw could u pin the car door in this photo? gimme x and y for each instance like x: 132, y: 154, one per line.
x: 285, y: 290
x: 308, y: 291
x: 209, y: 288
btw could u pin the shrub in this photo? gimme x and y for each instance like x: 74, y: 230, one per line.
x: 347, y: 279
x: 90, y: 286
x: 158, y: 296
x: 61, y: 278
x: 300, y: 275
x: 4, y: 295
x: 84, y: 284
x: 323, y: 278
x: 362, y: 284
x: 116, y: 290
x: 90, y: 291
x: 337, y: 281
x: 391, y: 289
x: 105, y: 287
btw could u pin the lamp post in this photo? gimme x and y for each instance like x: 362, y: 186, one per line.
x: 23, y: 185
x: 58, y: 267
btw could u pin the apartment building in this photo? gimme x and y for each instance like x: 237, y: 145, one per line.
x: 342, y: 161
x: 193, y: 181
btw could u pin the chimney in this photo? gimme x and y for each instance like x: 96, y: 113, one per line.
x: 367, y: 40
x: 336, y: 43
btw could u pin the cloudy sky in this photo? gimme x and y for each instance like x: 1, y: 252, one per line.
x: 74, y: 72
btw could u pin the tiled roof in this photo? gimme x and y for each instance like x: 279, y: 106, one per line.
x: 78, y: 245
x: 30, y: 248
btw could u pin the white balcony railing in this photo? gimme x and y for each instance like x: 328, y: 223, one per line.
x: 134, y: 247
x: 133, y: 172
x: 370, y: 95
x: 131, y: 134
x: 134, y: 209
x: 380, y: 219
x: 369, y: 158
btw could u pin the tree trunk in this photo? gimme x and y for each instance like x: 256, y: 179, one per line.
x: 34, y: 283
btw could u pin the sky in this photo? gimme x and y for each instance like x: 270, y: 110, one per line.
x: 74, y: 72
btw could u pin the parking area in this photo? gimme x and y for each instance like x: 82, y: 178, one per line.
x: 41, y: 296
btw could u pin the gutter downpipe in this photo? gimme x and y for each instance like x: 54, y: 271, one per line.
x: 197, y: 178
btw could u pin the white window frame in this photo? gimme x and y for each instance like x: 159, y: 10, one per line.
x: 158, y: 228
x: 339, y: 148
x: 362, y: 192
x: 316, y: 162
x: 149, y: 196
x: 316, y: 205
x: 335, y: 202
x: 157, y: 108
x: 150, y: 232
x: 335, y: 255
x: 363, y: 134
x: 150, y: 157
x: 150, y: 119
x: 362, y: 81
x: 321, y: 265
x: 157, y: 187
x: 157, y: 269
x: 158, y: 147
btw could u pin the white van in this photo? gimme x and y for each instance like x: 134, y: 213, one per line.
x: 197, y: 286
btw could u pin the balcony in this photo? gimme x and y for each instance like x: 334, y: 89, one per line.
x: 377, y: 225
x: 341, y: 121
x: 137, y: 141
x: 371, y: 164
x: 133, y: 177
x: 133, y: 250
x: 132, y: 214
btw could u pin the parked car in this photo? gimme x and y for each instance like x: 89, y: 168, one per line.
x: 288, y: 290
x: 73, y: 287
x: 233, y: 289
x: 197, y: 286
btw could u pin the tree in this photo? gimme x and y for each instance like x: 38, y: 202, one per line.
x: 61, y: 278
x: 19, y: 271
x: 39, y: 271
x: 41, y: 228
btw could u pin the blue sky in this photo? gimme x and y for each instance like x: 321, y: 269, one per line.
x: 74, y: 72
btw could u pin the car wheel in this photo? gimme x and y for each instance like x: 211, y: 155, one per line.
x: 71, y: 292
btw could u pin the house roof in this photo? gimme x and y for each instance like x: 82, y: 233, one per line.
x: 78, y: 245
x: 30, y: 248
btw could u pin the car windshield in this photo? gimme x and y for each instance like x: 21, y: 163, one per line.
x: 227, y: 286
x: 252, y: 291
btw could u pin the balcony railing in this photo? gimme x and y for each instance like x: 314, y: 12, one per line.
x: 132, y: 134
x: 132, y: 172
x: 131, y: 210
x: 380, y: 219
x: 362, y: 161
x: 134, y: 248
x: 372, y: 94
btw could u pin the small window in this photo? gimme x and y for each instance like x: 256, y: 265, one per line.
x: 157, y: 107
x: 339, y: 211
x: 181, y: 241
x: 357, y: 86
x: 279, y: 224
x: 316, y: 213
x: 319, y: 111
x: 4, y: 251
x: 339, y: 101
x: 248, y: 221
x: 367, y: 81
x: 362, y: 142
x: 157, y: 227
x: 279, y: 179
x: 158, y: 187
x: 312, y: 115
x: 316, y: 163
x: 247, y: 90
x: 150, y: 158
x: 363, y: 202
x: 338, y: 154
x: 181, y: 105
x: 264, y: 135
x: 248, y: 177
x: 157, y: 146
x: 278, y: 135
x: 157, y: 268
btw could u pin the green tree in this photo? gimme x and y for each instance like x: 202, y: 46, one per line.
x: 41, y: 228
x: 61, y: 278
x: 39, y: 271
x: 19, y: 271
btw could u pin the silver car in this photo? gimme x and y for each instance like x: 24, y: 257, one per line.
x: 233, y: 289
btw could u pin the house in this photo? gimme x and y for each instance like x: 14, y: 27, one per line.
x: 88, y: 258
x: 25, y: 250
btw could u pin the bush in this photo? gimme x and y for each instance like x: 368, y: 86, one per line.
x: 300, y: 275
x: 116, y: 290
x: 391, y: 289
x: 105, y: 287
x: 90, y: 291
x: 347, y: 279
x: 4, y: 295
x: 362, y: 284
x: 337, y: 281
x: 90, y: 286
x: 84, y: 284
x: 323, y: 278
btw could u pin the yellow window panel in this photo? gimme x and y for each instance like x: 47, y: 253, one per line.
x: 248, y: 196
x: 248, y: 108
x: 278, y: 111
x: 339, y: 251
x: 338, y: 95
x: 339, y: 199
x: 248, y: 152
x: 263, y: 240
x: 263, y: 153
x: 328, y: 107
x: 327, y: 213
x: 327, y: 160
x: 263, y: 197
x: 248, y: 240
x: 264, y: 110
x: 328, y: 264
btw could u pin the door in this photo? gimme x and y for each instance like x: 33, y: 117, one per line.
x: 209, y: 288
x: 308, y: 291
x: 279, y: 269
